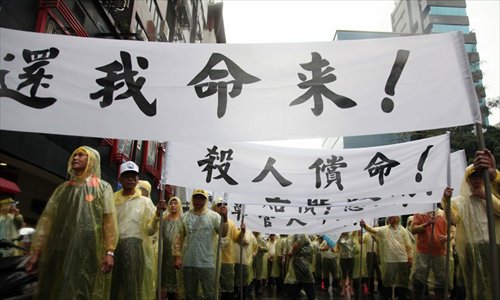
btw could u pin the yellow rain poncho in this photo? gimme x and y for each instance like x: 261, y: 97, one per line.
x: 194, y: 243
x: 9, y: 225
x: 395, y: 251
x: 134, y: 276
x: 471, y: 240
x: 360, y: 257
x: 76, y: 229
x: 226, y: 261
x: 171, y: 277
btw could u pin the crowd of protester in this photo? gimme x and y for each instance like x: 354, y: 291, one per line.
x: 93, y: 244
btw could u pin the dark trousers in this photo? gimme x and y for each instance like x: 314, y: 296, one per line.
x: 128, y: 270
x: 373, y: 269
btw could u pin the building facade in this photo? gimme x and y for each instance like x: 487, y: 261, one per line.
x: 37, y: 162
x: 349, y: 142
x: 435, y: 16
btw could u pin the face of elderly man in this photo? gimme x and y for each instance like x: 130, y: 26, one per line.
x: 79, y: 161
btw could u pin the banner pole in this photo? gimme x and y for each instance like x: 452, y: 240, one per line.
x: 160, y: 246
x: 241, y: 253
x: 360, y: 265
x: 495, y: 281
x: 448, y: 234
x: 218, y: 258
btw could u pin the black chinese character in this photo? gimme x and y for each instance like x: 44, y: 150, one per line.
x: 33, y: 76
x: 216, y: 85
x: 275, y: 208
x: 380, y: 165
x: 113, y: 82
x: 317, y: 87
x: 306, y: 210
x: 330, y: 168
x: 237, y: 211
x: 290, y: 222
x: 318, y: 202
x: 270, y: 168
x: 224, y: 157
x: 277, y: 200
x: 267, y: 221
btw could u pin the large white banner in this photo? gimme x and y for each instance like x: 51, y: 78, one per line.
x: 294, y: 174
x: 230, y: 92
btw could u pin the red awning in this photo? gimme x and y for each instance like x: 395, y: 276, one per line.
x: 8, y: 187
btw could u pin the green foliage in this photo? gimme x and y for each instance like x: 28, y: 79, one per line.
x: 464, y: 137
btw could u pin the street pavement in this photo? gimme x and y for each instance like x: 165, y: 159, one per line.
x: 269, y: 293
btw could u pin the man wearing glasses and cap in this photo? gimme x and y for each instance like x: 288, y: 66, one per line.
x: 133, y: 276
x: 195, y: 244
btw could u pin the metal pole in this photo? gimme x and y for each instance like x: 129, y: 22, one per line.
x: 448, y: 235
x: 160, y: 248
x: 241, y: 253
x: 495, y: 281
x: 194, y: 22
x: 360, y: 265
x: 217, y: 262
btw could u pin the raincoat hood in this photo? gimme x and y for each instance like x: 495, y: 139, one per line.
x: 179, y: 203
x: 93, y: 167
x: 144, y: 184
x: 203, y: 193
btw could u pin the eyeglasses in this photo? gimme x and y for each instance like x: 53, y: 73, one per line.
x: 221, y: 204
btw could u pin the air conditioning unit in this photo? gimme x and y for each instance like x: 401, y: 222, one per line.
x: 163, y: 31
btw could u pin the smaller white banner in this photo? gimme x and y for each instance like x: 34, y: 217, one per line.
x: 275, y: 223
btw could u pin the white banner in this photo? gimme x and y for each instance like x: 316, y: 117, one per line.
x: 246, y: 168
x: 319, y: 224
x: 233, y: 92
x: 458, y: 163
x: 274, y: 216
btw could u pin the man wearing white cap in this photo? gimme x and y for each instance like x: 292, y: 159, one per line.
x: 195, y: 241
x: 133, y: 276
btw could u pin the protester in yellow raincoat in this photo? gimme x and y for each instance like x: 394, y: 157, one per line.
x: 469, y: 214
x: 171, y: 279
x: 134, y: 276
x: 10, y: 223
x: 76, y: 234
x: 396, y: 256
x: 193, y: 246
x: 227, y: 276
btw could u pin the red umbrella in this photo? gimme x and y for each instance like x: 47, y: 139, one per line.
x: 8, y: 187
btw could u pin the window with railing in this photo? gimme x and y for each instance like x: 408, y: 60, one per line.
x: 152, y: 158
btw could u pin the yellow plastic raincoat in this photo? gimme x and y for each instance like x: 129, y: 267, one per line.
x: 76, y: 229
x: 134, y: 276
x: 468, y: 212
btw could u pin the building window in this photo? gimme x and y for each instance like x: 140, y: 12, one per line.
x: 152, y: 158
x: 448, y: 28
x: 447, y: 11
x: 122, y: 150
x: 470, y: 48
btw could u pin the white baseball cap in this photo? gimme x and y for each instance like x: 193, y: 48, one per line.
x: 129, y: 166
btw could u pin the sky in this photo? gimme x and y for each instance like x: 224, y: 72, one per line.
x: 266, y: 21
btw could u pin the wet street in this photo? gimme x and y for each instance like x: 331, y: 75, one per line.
x: 269, y: 293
